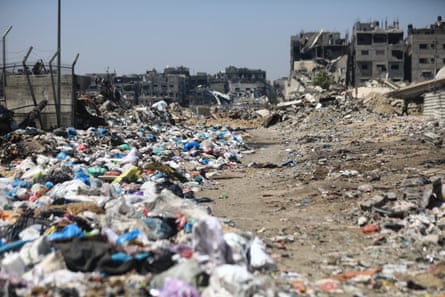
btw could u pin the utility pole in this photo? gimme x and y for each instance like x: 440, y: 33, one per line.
x: 59, y: 55
x: 435, y: 60
x: 4, y: 58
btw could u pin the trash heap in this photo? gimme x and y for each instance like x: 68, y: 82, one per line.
x: 113, y: 211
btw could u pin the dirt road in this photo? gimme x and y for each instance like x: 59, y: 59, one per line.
x: 307, y: 210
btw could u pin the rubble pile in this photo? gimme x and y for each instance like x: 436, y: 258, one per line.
x: 116, y: 207
x: 381, y: 174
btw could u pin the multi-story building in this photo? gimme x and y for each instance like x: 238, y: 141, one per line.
x: 377, y: 52
x: 171, y: 85
x: 425, y: 51
x: 313, y: 51
x: 244, y: 82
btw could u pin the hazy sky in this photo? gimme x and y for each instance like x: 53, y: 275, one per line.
x: 132, y: 36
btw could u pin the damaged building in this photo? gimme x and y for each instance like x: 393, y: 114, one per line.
x: 312, y: 52
x: 377, y: 52
x: 425, y: 51
x: 171, y: 85
x: 317, y: 46
x: 176, y: 84
x: 247, y: 83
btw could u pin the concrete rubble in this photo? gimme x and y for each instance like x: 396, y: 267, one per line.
x: 387, y: 170
x: 113, y: 208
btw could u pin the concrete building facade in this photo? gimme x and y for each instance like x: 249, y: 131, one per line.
x: 244, y: 82
x: 425, y: 51
x: 377, y: 52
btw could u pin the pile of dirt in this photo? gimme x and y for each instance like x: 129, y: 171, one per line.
x: 379, y: 103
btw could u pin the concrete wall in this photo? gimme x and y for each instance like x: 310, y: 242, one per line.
x: 19, y: 99
x: 380, y: 61
x: 423, y: 50
x: 434, y: 105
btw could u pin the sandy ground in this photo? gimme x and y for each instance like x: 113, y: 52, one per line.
x: 301, y: 211
x: 302, y: 229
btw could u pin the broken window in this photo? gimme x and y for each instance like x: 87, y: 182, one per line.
x: 379, y: 38
x: 381, y: 68
x: 432, y: 45
x: 380, y: 52
x: 423, y: 46
x: 427, y: 74
x: 365, y: 68
x: 394, y: 66
x: 365, y: 52
x: 364, y: 38
x: 397, y: 54
x: 394, y: 38
x: 423, y: 61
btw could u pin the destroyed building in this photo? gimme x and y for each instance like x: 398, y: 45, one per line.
x: 244, y: 82
x: 171, y: 85
x: 317, y: 46
x: 312, y: 53
x: 425, y: 51
x: 203, y: 80
x: 201, y: 86
x: 377, y: 52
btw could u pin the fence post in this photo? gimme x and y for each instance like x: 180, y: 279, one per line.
x: 56, y: 107
x: 31, y: 89
x: 73, y: 101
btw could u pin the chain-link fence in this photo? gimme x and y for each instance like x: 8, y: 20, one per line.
x: 31, y: 85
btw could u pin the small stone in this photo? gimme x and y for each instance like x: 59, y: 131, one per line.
x: 362, y: 221
x: 375, y: 201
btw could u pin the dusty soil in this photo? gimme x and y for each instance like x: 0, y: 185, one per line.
x: 300, y: 226
x: 303, y: 212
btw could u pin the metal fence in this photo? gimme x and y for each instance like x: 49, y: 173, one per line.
x: 26, y: 73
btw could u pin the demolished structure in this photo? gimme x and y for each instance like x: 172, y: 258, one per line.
x: 316, y: 52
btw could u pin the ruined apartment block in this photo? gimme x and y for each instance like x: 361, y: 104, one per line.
x: 425, y: 51
x: 311, y: 51
x: 377, y: 52
x: 171, y: 85
x: 246, y: 83
x: 317, y: 46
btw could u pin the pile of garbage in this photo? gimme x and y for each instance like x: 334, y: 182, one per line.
x: 112, y: 207
x: 113, y: 211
